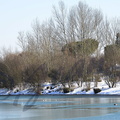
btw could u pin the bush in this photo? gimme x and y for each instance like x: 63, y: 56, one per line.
x: 54, y: 75
x: 84, y: 47
x: 112, y: 54
x: 86, y: 89
x: 66, y: 90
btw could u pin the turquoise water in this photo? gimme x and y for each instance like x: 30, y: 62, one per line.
x: 48, y: 107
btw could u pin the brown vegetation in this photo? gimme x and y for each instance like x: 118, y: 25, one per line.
x: 74, y: 31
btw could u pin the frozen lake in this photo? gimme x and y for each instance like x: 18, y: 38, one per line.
x: 48, y: 107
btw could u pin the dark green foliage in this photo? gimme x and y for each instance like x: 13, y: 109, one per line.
x: 117, y: 39
x: 112, y: 58
x: 82, y: 48
x: 112, y: 54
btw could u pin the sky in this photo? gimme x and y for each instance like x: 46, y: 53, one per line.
x: 18, y: 15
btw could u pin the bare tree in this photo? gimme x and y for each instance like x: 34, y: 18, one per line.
x: 60, y: 17
x: 88, y: 20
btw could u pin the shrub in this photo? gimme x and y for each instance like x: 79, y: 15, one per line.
x: 85, y: 47
x: 66, y: 90
x: 86, y: 89
x: 112, y: 54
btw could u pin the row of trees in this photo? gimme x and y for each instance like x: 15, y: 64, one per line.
x: 68, y: 47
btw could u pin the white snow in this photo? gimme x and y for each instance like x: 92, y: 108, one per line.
x: 80, y: 90
x: 105, y: 90
x: 111, y: 91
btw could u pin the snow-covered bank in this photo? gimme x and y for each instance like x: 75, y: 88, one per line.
x: 109, y: 91
x: 11, y: 92
x: 105, y: 90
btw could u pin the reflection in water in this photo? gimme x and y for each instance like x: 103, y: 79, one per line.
x: 58, y: 107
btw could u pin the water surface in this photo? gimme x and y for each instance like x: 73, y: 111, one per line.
x: 48, y: 107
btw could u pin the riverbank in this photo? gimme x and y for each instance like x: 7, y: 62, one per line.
x: 103, y: 89
x: 107, y: 92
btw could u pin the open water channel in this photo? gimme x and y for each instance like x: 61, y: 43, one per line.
x: 60, y: 107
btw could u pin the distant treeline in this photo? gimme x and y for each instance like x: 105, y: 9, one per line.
x: 68, y: 47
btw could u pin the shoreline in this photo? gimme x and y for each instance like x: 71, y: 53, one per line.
x: 79, y: 95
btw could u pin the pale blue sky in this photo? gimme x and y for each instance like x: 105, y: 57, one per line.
x: 17, y: 15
